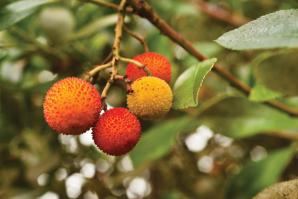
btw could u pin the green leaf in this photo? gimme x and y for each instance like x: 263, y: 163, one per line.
x: 16, y: 11
x: 95, y: 26
x: 273, y: 30
x: 261, y: 93
x: 158, y: 141
x: 282, y: 190
x: 279, y: 73
x: 255, y: 176
x: 237, y: 117
x: 187, y: 86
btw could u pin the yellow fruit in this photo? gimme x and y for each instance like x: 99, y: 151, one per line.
x: 151, y: 98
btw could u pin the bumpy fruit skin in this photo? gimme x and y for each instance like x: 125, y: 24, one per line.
x: 72, y: 106
x: 157, y: 64
x: 151, y: 98
x: 117, y: 131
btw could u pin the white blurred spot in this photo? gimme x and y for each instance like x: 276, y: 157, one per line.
x: 198, y: 141
x: 42, y: 179
x: 74, y: 185
x: 70, y: 143
x: 138, y: 188
x: 13, y: 71
x: 61, y: 174
x: 102, y: 165
x: 49, y: 195
x: 180, y: 53
x: 222, y: 140
x: 125, y: 164
x: 86, y: 138
x: 205, y: 164
x: 90, y: 195
x: 258, y: 153
x: 46, y: 76
x: 88, y: 170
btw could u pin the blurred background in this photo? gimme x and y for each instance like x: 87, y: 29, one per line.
x: 228, y: 147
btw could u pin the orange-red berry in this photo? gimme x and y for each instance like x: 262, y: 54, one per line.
x: 157, y: 64
x: 72, y: 106
x: 117, y: 131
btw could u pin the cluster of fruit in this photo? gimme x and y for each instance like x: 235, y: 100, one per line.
x: 73, y: 105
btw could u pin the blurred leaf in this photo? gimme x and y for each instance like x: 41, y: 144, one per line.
x: 34, y: 153
x: 16, y: 11
x: 25, y: 194
x: 172, y: 195
x: 237, y: 117
x: 187, y: 86
x: 255, y: 176
x: 260, y: 93
x: 159, y: 140
x: 279, y: 73
x: 282, y: 190
x: 210, y: 49
x: 95, y: 26
x: 269, y: 31
x: 10, y: 174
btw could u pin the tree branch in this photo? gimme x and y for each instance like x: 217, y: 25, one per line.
x: 138, y: 37
x: 220, y: 13
x: 116, y: 47
x: 103, y: 3
x: 143, y: 9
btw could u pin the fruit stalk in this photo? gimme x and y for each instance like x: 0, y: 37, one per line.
x: 138, y: 37
x: 116, y: 47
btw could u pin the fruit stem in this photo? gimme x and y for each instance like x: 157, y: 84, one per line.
x: 116, y: 47
x: 138, y: 37
x: 102, y: 3
x: 138, y: 64
x: 95, y: 70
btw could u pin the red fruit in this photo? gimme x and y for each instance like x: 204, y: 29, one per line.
x: 72, y: 106
x: 157, y: 64
x: 117, y: 131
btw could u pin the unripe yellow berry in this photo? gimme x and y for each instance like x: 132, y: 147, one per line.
x: 151, y: 98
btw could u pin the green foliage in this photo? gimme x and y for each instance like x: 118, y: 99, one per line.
x: 255, y: 176
x: 274, y: 30
x: 279, y: 73
x: 159, y: 140
x: 174, y: 158
x: 187, y: 86
x: 239, y: 118
x: 260, y: 93
x: 16, y: 11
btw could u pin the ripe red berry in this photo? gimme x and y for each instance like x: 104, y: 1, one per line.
x: 157, y: 64
x: 72, y: 106
x: 117, y: 131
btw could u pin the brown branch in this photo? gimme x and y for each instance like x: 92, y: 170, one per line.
x: 284, y: 135
x: 87, y: 76
x: 116, y: 47
x: 138, y: 64
x: 138, y: 37
x: 220, y: 13
x: 143, y: 9
x: 106, y: 4
x: 103, y: 3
